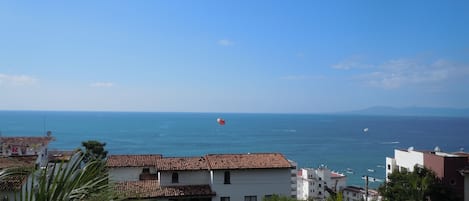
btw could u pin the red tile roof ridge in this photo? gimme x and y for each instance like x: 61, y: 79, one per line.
x: 248, y: 161
x: 249, y: 153
x: 182, y: 163
x: 136, y: 155
x: 140, y: 160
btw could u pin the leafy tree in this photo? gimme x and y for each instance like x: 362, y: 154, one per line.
x: 278, y: 198
x: 336, y: 197
x: 420, y: 185
x: 94, y: 150
x: 74, y: 180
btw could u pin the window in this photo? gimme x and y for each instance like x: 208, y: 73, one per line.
x: 175, y: 177
x: 452, y: 182
x: 319, y: 185
x: 389, y: 167
x: 224, y: 198
x: 146, y: 170
x: 319, y: 192
x: 227, y: 177
x: 250, y: 198
x: 320, y: 178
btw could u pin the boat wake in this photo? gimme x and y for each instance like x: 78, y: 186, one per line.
x: 395, y: 142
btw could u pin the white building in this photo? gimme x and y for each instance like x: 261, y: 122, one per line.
x: 26, y: 146
x: 353, y: 193
x: 132, y: 167
x: 403, y: 160
x: 223, y: 177
x: 317, y: 183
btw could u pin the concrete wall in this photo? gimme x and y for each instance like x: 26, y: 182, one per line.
x: 127, y: 173
x: 408, y: 159
x: 185, y: 177
x: 435, y: 163
x: 390, y: 166
x: 252, y: 183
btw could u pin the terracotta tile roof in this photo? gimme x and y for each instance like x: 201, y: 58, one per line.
x: 17, y: 161
x: 43, y: 140
x: 152, y: 189
x: 14, y: 183
x: 132, y: 160
x: 247, y: 161
x: 182, y: 163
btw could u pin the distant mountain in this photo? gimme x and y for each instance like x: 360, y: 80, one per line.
x: 412, y: 111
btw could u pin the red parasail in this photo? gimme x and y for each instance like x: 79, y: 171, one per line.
x: 221, y: 121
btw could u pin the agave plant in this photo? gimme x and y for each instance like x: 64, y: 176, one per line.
x: 65, y: 181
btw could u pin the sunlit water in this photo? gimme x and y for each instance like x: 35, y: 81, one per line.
x: 338, y: 141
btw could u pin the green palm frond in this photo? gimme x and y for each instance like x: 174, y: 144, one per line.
x: 66, y: 181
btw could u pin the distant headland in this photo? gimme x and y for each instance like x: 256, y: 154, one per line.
x: 412, y: 111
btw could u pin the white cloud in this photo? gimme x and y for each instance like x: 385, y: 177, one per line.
x: 102, y: 84
x: 225, y: 42
x: 354, y: 62
x: 404, y: 72
x: 16, y: 80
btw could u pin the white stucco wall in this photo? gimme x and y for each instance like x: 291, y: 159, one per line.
x: 185, y: 178
x: 9, y: 194
x: 408, y: 159
x: 391, y: 163
x: 127, y: 173
x: 252, y: 183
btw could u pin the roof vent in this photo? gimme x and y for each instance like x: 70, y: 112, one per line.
x: 437, y: 149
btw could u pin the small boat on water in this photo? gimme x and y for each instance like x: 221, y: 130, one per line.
x: 349, y: 171
x: 371, y: 170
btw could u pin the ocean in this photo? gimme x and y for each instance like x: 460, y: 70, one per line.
x: 337, y: 141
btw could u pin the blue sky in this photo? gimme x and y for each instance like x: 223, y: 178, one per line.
x: 233, y: 56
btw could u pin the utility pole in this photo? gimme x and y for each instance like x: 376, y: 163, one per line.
x: 366, y: 187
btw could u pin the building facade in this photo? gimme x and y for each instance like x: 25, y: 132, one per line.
x: 224, y: 177
x: 319, y: 183
x: 446, y: 166
x: 354, y: 193
x: 29, y: 152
